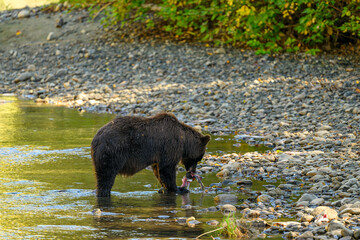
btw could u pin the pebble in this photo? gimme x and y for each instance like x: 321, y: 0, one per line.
x: 226, y: 198
x: 305, y: 236
x: 324, y: 210
x: 23, y: 77
x: 317, y: 201
x: 264, y: 198
x: 228, y: 209
x: 24, y: 13
x: 357, y: 234
x: 97, y: 212
x: 249, y: 213
x: 50, y: 36
x: 212, y: 222
x: 31, y: 68
x: 59, y: 22
x: 192, y: 222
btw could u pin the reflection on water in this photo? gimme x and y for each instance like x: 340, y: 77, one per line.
x: 15, y: 4
x: 47, y: 182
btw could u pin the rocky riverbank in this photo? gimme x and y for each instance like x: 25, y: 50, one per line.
x: 307, y: 107
x: 318, y: 190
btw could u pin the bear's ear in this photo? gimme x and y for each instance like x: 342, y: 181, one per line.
x: 205, y: 139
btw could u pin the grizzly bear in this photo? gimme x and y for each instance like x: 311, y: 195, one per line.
x: 129, y: 144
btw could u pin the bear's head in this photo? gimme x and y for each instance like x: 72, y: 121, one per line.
x: 194, y: 150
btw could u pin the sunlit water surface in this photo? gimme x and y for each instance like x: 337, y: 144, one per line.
x: 47, y: 182
x: 15, y: 4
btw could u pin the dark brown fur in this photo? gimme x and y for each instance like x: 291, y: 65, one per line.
x: 127, y: 145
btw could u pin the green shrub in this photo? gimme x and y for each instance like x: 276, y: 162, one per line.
x: 268, y: 26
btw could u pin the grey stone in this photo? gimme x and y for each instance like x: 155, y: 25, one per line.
x: 23, y: 77
x: 228, y: 209
x: 61, y: 72
x: 317, y: 201
x: 305, y: 236
x: 357, y: 234
x: 226, y: 198
x: 24, y: 13
x: 321, y: 210
x: 51, y: 36
x: 307, y: 197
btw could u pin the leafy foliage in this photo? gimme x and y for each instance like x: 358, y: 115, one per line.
x: 268, y: 26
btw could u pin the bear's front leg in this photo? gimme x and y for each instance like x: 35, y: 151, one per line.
x: 105, y: 181
x: 168, y: 179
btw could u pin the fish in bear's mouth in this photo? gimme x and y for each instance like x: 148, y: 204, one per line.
x: 189, y: 177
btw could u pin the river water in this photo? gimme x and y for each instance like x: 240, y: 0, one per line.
x: 47, y: 182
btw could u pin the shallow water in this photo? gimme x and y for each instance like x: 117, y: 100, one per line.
x: 47, y: 182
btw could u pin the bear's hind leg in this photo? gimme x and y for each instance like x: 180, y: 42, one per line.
x: 155, y: 168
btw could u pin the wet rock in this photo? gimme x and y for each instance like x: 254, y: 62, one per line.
x: 212, y: 222
x: 228, y: 209
x: 259, y: 223
x: 215, y: 185
x: 97, y: 212
x: 226, y: 198
x: 249, y: 213
x: 245, y: 182
x: 212, y: 209
x: 181, y: 220
x: 192, y: 222
x: 187, y: 206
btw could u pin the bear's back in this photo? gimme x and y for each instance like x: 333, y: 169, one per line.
x: 132, y: 123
